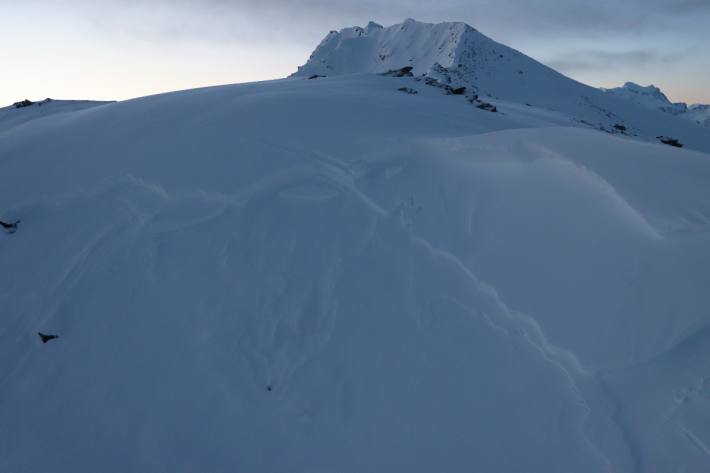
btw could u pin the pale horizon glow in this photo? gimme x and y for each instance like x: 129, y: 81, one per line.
x: 110, y: 50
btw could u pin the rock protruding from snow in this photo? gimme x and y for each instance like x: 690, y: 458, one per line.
x: 26, y: 110
x: 23, y: 103
x: 28, y: 103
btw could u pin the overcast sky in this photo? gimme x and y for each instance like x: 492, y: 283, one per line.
x: 118, y: 49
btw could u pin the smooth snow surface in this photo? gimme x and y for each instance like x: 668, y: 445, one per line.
x: 331, y: 275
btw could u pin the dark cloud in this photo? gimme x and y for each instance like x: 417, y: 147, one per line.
x: 504, y: 19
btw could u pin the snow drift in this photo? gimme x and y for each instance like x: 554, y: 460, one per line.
x: 333, y: 275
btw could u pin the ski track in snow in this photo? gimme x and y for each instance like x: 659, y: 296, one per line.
x: 266, y: 356
x: 276, y: 365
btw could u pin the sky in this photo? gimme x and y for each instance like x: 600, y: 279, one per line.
x: 119, y: 49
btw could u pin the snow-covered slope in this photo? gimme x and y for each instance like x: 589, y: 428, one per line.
x: 338, y: 275
x: 333, y: 275
x: 459, y: 55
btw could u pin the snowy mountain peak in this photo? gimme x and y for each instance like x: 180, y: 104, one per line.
x: 699, y: 113
x: 648, y: 96
x: 376, y: 49
x: 651, y: 97
x: 456, y: 56
x: 651, y: 90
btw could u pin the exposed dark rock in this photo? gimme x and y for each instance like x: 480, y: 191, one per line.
x: 23, y: 103
x: 408, y: 90
x: 405, y: 71
x: 46, y: 337
x: 28, y: 103
x: 10, y: 227
x: 481, y: 104
x: 487, y: 106
x: 670, y: 141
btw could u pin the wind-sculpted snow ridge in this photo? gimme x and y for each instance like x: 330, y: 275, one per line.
x: 333, y: 275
